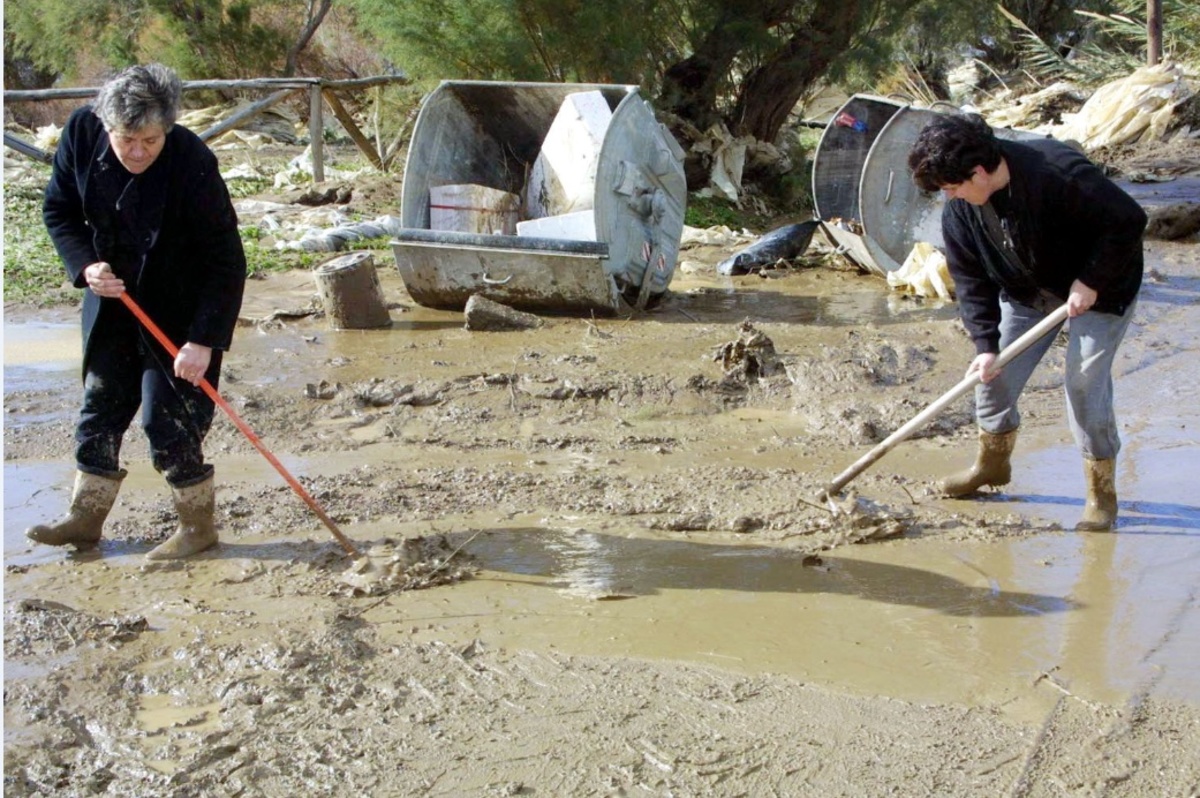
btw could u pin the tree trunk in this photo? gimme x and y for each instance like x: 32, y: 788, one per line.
x: 771, y: 91
x: 690, y: 87
x: 317, y: 9
x: 351, y: 293
x: 1153, y: 31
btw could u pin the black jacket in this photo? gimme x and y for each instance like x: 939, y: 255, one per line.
x: 170, y: 233
x: 1065, y: 221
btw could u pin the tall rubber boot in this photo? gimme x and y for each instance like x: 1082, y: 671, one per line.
x: 91, y: 501
x: 1100, y: 512
x: 196, y: 532
x: 992, y: 466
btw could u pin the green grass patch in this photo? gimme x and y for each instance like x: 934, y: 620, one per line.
x: 242, y: 187
x: 384, y: 243
x: 33, y: 274
x: 263, y: 260
x: 712, y: 211
x: 705, y: 212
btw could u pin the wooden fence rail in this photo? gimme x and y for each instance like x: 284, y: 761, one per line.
x: 318, y: 89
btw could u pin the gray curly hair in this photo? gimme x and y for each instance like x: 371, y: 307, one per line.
x: 143, y: 95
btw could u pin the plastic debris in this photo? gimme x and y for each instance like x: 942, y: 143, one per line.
x: 782, y: 243
x: 847, y: 120
x: 1136, y: 108
x: 716, y: 236
x: 336, y: 239
x: 924, y: 273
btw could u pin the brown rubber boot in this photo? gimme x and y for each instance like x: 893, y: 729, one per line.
x: 992, y: 466
x: 196, y: 532
x: 1100, y: 512
x: 91, y: 501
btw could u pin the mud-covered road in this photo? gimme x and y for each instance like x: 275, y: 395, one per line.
x: 613, y: 573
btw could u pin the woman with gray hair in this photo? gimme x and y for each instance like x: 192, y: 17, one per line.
x: 142, y: 98
x: 135, y: 203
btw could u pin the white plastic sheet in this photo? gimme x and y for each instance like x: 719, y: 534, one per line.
x: 47, y: 137
x: 1135, y: 108
x: 924, y: 273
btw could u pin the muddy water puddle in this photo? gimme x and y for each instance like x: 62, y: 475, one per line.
x: 160, y: 715
x: 41, y: 346
x: 975, y: 623
x: 1168, y: 192
x: 814, y: 297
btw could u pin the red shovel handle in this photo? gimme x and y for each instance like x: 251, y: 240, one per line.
x: 237, y: 420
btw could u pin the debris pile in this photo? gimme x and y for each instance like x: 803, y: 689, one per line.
x: 408, y: 564
x: 750, y: 358
x: 1136, y: 108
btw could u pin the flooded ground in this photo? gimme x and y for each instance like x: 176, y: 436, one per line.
x: 633, y: 586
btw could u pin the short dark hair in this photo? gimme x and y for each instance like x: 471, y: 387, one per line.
x: 140, y: 96
x: 949, y: 148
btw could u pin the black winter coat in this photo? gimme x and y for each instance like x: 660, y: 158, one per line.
x: 170, y: 233
x: 1065, y: 221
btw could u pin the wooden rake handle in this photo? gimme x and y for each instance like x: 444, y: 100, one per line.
x: 1035, y: 333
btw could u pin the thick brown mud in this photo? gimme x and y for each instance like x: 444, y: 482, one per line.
x: 616, y: 574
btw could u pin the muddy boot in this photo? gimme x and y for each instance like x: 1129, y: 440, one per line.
x: 196, y: 532
x: 992, y: 466
x: 1100, y: 512
x: 91, y: 501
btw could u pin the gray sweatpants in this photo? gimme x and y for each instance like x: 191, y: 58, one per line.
x: 1092, y: 344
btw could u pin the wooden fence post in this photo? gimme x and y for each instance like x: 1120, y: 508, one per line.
x: 316, y: 132
x: 347, y: 123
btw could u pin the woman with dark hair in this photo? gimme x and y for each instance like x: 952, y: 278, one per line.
x: 1028, y: 226
x: 135, y: 203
